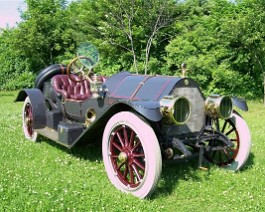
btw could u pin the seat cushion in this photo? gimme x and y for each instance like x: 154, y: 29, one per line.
x: 70, y: 89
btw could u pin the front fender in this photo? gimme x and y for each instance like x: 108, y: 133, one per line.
x: 148, y: 109
x: 38, y: 106
x: 240, y: 103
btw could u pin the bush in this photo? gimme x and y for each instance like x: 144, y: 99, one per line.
x: 17, y: 81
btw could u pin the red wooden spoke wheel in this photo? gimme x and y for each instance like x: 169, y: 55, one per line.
x: 27, y: 121
x: 127, y: 156
x: 236, y: 130
x: 131, y: 154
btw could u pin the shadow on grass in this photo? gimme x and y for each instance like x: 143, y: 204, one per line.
x: 173, y: 173
x: 91, y: 152
x: 249, y: 164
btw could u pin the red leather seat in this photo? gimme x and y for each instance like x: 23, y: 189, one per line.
x: 69, y: 89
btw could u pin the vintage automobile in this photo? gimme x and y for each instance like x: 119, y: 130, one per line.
x: 141, y: 120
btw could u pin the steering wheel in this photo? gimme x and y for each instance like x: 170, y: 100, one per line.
x: 77, y: 67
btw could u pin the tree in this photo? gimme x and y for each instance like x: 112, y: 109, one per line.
x: 203, y: 40
x: 132, y: 26
x: 221, y: 41
x: 45, y: 33
x: 247, y: 33
x: 42, y: 38
x: 14, y: 69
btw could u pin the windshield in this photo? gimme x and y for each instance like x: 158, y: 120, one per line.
x: 88, y: 50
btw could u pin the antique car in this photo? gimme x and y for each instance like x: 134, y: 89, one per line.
x: 142, y: 120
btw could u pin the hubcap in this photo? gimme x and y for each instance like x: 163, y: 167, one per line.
x: 28, y: 121
x: 123, y: 157
x: 28, y: 116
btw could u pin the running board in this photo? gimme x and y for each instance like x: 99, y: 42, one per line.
x: 50, y: 134
x: 66, y: 134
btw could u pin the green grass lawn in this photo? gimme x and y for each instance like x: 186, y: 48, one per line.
x: 46, y: 177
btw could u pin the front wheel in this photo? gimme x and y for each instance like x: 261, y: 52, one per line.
x: 131, y: 154
x: 234, y: 158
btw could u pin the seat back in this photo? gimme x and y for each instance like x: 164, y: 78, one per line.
x: 70, y: 89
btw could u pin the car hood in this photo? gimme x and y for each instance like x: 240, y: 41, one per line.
x: 125, y: 85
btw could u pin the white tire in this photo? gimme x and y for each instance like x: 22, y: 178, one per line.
x: 131, y: 154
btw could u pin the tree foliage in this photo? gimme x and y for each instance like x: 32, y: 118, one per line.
x: 39, y: 40
x: 221, y: 41
x: 204, y: 42
x: 134, y: 30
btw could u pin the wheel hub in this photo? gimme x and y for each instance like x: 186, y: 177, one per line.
x: 28, y: 121
x: 123, y: 157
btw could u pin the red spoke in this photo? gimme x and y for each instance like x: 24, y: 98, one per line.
x: 131, y: 175
x: 132, y: 138
x: 135, y: 161
x: 30, y: 131
x: 117, y: 146
x: 29, y: 119
x: 120, y: 139
x: 119, y: 167
x: 29, y: 111
x: 124, y: 140
x: 139, y: 155
x: 125, y: 135
x: 138, y: 175
x: 225, y: 156
x: 125, y: 173
x: 114, y: 156
x: 235, y: 151
x: 137, y: 145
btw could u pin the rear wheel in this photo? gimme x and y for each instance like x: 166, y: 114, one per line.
x: 234, y: 158
x: 131, y: 154
x: 27, y: 121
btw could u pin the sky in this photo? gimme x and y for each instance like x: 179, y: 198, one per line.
x: 9, y: 14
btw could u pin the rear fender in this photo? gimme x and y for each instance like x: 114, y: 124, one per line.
x: 38, y: 106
